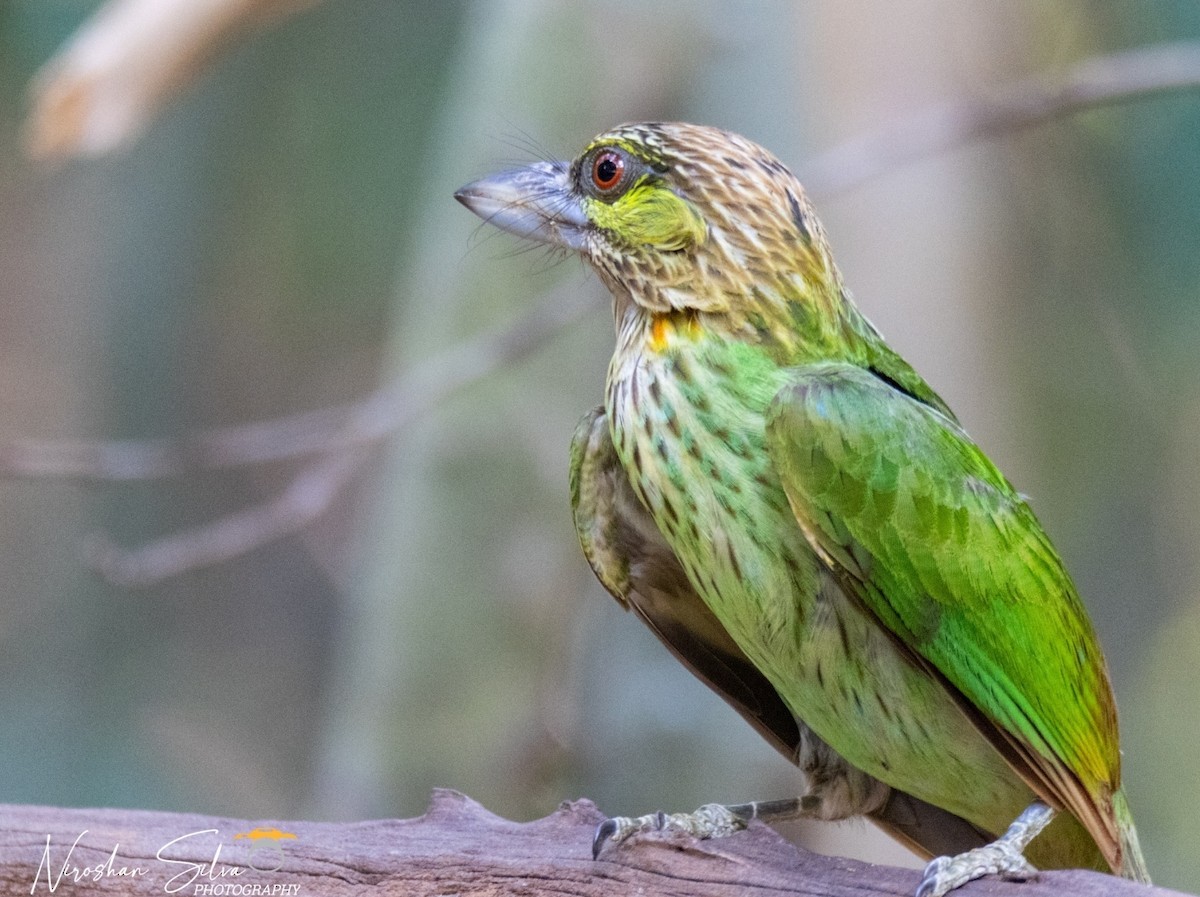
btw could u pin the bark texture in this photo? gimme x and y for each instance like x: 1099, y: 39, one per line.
x: 457, y: 847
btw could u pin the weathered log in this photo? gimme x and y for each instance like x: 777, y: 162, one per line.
x: 457, y: 847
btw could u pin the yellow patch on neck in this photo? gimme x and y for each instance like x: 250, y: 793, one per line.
x: 666, y: 328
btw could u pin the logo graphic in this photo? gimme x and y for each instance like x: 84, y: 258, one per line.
x: 265, y: 852
x: 260, y: 850
x: 259, y: 834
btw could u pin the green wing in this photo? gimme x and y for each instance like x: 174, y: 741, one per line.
x: 634, y: 562
x: 925, y: 531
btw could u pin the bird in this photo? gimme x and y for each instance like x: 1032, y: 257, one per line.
x: 804, y: 523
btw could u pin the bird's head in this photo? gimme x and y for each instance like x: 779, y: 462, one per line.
x: 674, y: 217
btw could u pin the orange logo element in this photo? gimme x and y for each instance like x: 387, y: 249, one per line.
x: 263, y: 834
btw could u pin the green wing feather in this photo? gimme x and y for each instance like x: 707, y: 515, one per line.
x: 926, y: 532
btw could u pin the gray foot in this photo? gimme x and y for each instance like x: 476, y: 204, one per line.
x: 710, y: 821
x: 1004, y: 856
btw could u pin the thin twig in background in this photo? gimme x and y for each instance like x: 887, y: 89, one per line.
x: 228, y: 537
x: 1097, y: 81
x: 338, y: 435
x: 380, y: 414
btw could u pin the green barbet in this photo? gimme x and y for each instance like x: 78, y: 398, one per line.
x: 799, y: 517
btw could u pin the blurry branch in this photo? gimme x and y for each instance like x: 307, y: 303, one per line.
x: 382, y: 413
x: 98, y: 93
x: 1097, y: 81
x: 346, y: 428
x: 338, y: 435
x: 229, y: 537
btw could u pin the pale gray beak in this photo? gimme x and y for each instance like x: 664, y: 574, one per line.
x: 536, y: 202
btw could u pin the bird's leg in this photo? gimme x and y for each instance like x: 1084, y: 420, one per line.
x: 1003, y: 856
x: 709, y: 821
x: 834, y: 790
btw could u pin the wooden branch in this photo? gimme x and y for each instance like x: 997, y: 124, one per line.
x: 457, y: 847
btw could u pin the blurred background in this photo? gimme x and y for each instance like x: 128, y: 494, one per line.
x: 268, y: 229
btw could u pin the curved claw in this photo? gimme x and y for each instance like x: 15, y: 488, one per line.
x: 619, y: 828
x: 604, y: 831
x: 930, y: 877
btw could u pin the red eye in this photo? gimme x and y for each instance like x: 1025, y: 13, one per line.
x: 607, y: 169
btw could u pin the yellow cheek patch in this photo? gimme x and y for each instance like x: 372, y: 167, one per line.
x: 649, y: 214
